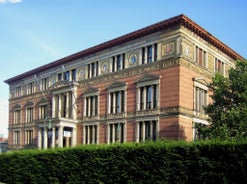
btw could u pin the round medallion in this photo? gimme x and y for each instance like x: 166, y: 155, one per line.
x: 133, y: 59
x: 53, y: 81
x: 105, y: 67
x: 81, y: 73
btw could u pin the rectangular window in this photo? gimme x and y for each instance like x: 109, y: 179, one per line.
x: 90, y: 134
x: 18, y: 91
x: 147, y: 130
x: 30, y: 88
x: 43, y: 111
x: 116, y: 132
x: 16, y: 138
x: 91, y: 106
x: 92, y: 69
x: 200, y: 56
x: 29, y: 137
x: 64, y: 105
x: 117, y: 102
x: 17, y: 116
x: 148, y: 97
x: 44, y: 84
x: 67, y: 76
x: 200, y: 99
x: 155, y: 52
x: 218, y: 66
x: 118, y: 62
x: 149, y: 53
x: 29, y: 115
x: 143, y: 55
x: 73, y: 74
x: 59, y: 77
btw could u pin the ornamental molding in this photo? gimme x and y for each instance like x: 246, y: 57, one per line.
x: 132, y: 71
x: 116, y: 116
x: 90, y: 118
x: 176, y: 111
x: 149, y: 112
x: 196, y: 68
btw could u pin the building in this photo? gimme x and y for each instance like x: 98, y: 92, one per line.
x: 145, y: 85
x: 3, y: 144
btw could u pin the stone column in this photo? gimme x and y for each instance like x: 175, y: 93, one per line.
x: 73, y: 136
x: 39, y: 139
x: 137, y: 132
x: 73, y: 104
x: 54, y: 100
x: 114, y: 103
x: 67, y: 109
x: 45, y: 138
x: 113, y: 133
x: 53, y: 137
x: 89, y: 106
x: 143, y: 131
x: 144, y: 98
x: 59, y: 109
x: 151, y: 130
x: 60, y: 136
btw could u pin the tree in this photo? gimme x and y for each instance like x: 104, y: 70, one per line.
x: 228, y: 112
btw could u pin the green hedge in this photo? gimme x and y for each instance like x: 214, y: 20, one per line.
x: 153, y: 162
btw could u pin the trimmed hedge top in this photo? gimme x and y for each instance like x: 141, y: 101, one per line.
x: 150, y: 162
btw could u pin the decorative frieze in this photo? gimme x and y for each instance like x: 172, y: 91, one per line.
x: 91, y: 118
x: 167, y: 49
x: 116, y: 116
x: 187, y: 50
x: 136, y: 70
x: 105, y: 66
x: 196, y: 68
x: 149, y: 112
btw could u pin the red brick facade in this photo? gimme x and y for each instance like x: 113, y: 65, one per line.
x: 156, y: 90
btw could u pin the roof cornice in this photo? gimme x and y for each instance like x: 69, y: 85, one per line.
x: 180, y: 20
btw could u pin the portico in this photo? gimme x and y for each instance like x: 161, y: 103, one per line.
x: 60, y: 134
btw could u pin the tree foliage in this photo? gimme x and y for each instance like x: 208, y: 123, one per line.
x: 228, y: 112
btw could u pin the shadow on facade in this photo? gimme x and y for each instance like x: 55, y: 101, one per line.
x: 173, y: 132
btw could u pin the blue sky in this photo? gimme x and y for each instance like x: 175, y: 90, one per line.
x: 34, y: 33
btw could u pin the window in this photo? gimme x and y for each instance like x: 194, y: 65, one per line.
x: 146, y: 130
x: 63, y: 105
x: 29, y: 115
x: 116, y: 132
x: 201, y: 57
x: 118, y: 62
x: 66, y: 107
x: 73, y: 74
x: 44, y: 84
x: 16, y: 138
x: 18, y: 91
x: 117, y: 101
x: 69, y: 75
x: 148, y: 97
x: 200, y: 99
x: 43, y: 111
x: 197, y: 134
x: 17, y: 116
x: 93, y: 69
x: 219, y: 66
x: 91, y: 105
x: 66, y: 76
x: 149, y: 54
x: 90, y: 134
x: 59, y: 76
x: 30, y: 88
x: 29, y: 137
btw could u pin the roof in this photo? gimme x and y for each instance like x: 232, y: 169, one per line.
x: 177, y: 20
